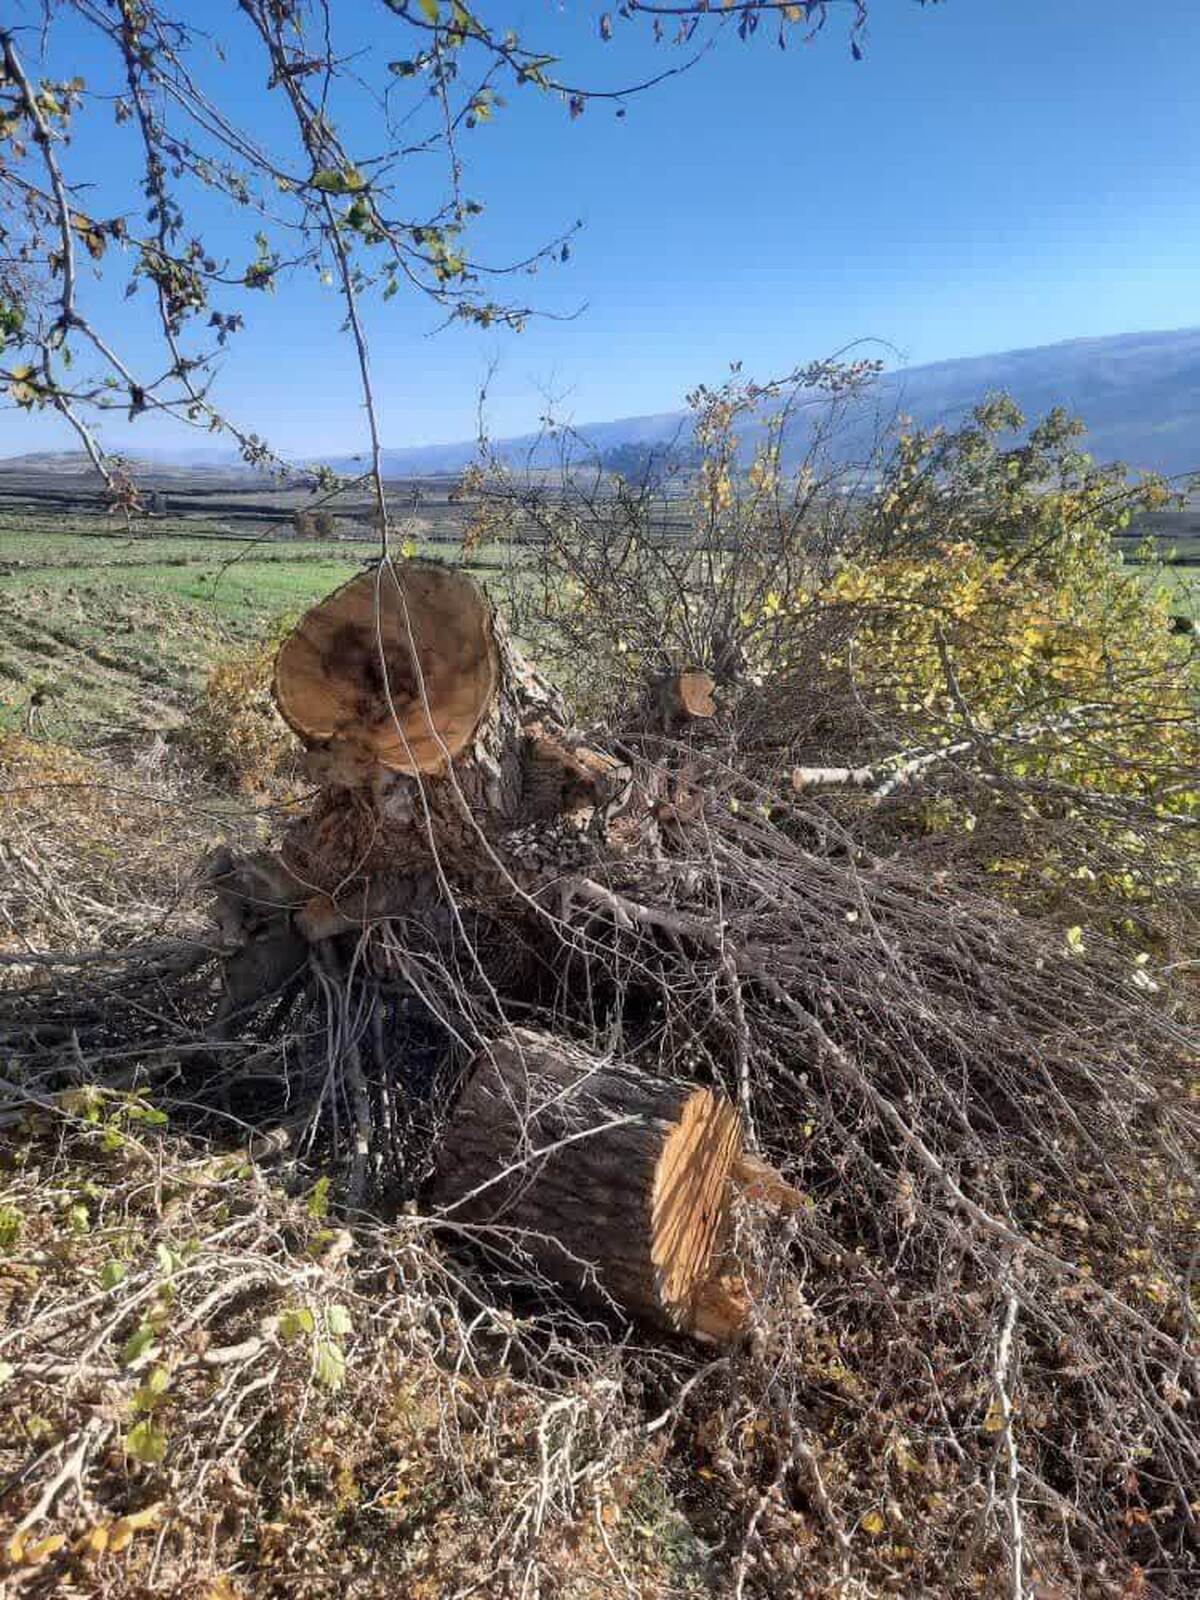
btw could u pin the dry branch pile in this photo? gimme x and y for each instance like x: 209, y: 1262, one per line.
x: 548, y: 985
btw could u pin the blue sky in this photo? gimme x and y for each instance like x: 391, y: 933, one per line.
x: 995, y: 173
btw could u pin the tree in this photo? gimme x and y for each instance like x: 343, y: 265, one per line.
x: 317, y: 200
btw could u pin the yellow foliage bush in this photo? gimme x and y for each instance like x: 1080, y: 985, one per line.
x: 965, y: 592
x: 234, y: 728
x: 1070, y: 669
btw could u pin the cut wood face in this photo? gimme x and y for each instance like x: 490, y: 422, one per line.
x: 690, y: 1202
x: 397, y: 669
x: 695, y: 691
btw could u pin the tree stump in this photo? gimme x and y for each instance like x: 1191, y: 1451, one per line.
x: 396, y: 670
x: 615, y: 1185
x: 429, y: 734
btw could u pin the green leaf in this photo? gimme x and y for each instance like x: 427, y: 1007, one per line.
x: 338, y: 1320
x: 138, y: 1111
x: 111, y: 1274
x: 296, y: 1320
x: 11, y: 1223
x: 317, y: 1204
x: 431, y: 9
x: 331, y: 1364
x: 151, y: 1392
x: 330, y: 181
x: 138, y: 1344
x: 79, y: 1219
x: 146, y: 1442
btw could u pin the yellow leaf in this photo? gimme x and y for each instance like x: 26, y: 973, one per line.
x: 22, y: 1553
x: 222, y: 1589
x: 873, y: 1522
x: 94, y: 1542
x: 124, y: 1528
x: 994, y: 1421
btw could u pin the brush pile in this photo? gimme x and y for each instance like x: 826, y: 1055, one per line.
x: 687, y: 1129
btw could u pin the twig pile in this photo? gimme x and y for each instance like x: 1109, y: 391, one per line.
x: 974, y: 1358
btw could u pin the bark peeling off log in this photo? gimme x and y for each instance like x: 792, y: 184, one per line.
x: 616, y: 1185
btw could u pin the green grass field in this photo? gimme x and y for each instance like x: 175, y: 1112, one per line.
x: 102, y: 634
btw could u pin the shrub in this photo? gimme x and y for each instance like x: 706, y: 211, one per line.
x: 234, y: 728
x: 959, y: 609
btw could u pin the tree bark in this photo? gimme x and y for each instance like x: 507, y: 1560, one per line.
x: 615, y: 1185
x: 447, y: 768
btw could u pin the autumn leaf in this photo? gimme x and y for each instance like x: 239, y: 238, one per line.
x: 146, y: 1442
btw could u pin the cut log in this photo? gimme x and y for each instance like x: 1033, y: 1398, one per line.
x: 676, y: 701
x: 692, y: 696
x: 615, y: 1185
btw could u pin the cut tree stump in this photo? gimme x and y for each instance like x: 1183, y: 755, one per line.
x: 615, y: 1185
x: 689, y: 697
x: 396, y: 669
x: 447, y: 773
x: 430, y: 736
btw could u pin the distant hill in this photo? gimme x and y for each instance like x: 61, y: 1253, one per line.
x: 1139, y: 393
x: 162, y: 462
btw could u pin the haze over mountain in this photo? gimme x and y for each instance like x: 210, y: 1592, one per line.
x: 1139, y: 394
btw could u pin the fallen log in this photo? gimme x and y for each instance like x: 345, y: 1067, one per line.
x: 615, y: 1185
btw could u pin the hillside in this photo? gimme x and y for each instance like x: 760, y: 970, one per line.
x: 1139, y: 394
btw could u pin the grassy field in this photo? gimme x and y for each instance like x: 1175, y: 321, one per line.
x: 102, y: 634
x: 1177, y: 536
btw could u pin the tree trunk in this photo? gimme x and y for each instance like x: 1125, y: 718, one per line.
x: 433, y: 740
x: 615, y: 1185
x: 446, y: 768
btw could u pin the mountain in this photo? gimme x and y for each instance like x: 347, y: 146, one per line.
x: 161, y: 459
x: 1139, y: 393
x: 534, y: 449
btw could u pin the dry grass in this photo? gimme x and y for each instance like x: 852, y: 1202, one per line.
x: 209, y: 1391
x: 974, y: 1363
